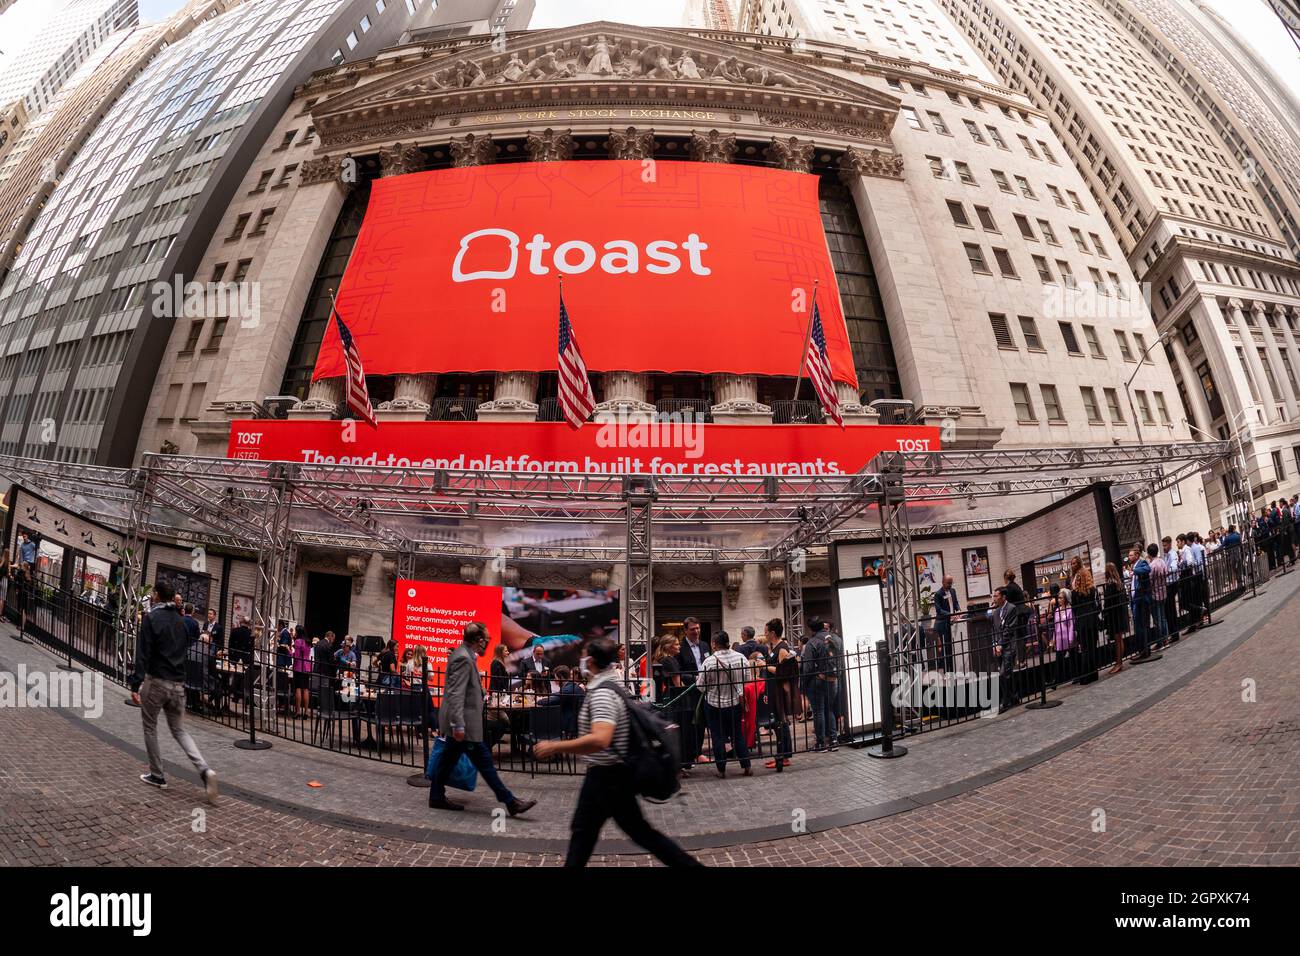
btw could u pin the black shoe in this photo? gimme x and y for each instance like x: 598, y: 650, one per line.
x: 722, y: 772
x: 517, y: 807
x: 444, y: 804
x: 153, y: 781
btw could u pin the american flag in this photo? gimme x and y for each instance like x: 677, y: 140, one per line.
x: 576, y: 398
x: 358, y: 396
x: 819, y: 369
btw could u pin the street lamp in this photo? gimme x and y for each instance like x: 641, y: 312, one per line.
x: 1137, y: 427
x: 1249, y: 504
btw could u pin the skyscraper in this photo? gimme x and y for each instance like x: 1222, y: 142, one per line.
x: 1197, y: 55
x: 1224, y: 286
x: 138, y: 205
x: 916, y: 30
x: 35, y: 72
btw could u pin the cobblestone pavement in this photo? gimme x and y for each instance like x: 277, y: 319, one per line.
x: 1200, y: 777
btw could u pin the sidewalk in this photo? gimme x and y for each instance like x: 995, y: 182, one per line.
x: 823, y: 790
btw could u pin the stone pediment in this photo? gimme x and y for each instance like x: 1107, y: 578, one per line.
x: 603, y: 62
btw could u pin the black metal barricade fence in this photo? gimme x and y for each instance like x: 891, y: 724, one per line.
x: 75, y: 628
x: 972, y: 664
x: 767, y: 712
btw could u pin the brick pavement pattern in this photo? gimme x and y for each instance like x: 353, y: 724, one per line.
x: 1201, y: 777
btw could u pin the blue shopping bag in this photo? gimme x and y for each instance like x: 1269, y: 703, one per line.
x: 464, y: 777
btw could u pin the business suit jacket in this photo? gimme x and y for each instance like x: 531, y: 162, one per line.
x: 690, y: 669
x: 532, y: 665
x: 946, y: 604
x: 462, y: 695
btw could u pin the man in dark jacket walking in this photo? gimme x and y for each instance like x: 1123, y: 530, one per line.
x: 158, y: 684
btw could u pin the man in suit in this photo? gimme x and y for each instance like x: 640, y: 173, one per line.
x: 460, y: 721
x: 690, y: 659
x: 535, y: 664
x: 213, y: 629
x: 1006, y: 647
x: 945, y: 606
x: 192, y: 629
x: 748, y: 643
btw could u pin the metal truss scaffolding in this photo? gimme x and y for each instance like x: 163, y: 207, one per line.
x: 638, y: 632
x: 270, y: 509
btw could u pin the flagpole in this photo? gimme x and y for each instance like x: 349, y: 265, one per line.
x: 803, y: 356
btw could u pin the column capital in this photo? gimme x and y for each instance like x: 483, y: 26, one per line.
x: 883, y: 164
x: 472, y: 150
x: 790, y: 154
x: 550, y: 146
x: 400, y: 159
x: 713, y: 147
x: 325, y: 169
x: 1258, y: 308
x: 1236, y: 305
x: 631, y: 143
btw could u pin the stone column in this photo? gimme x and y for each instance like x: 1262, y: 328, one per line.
x: 737, y: 401
x: 323, y: 185
x: 1212, y: 327
x: 1288, y: 339
x: 412, y: 394
x: 625, y: 397
x: 323, y: 400
x: 1248, y: 346
x: 626, y: 391
x: 1274, y: 352
x: 412, y: 399
x: 513, y: 398
x: 851, y: 408
x: 1200, y: 410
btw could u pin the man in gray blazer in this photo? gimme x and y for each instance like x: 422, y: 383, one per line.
x: 460, y: 721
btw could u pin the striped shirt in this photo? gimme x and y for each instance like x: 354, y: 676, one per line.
x: 723, y: 677
x: 603, y: 704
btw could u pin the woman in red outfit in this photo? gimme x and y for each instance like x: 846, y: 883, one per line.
x: 752, y: 690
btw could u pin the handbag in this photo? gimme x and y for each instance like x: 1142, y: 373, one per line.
x: 463, y: 777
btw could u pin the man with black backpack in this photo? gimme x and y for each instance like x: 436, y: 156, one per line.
x: 626, y: 754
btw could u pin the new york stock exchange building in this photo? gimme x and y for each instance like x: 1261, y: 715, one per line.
x: 698, y: 193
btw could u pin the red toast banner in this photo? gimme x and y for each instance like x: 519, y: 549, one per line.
x: 667, y: 448
x: 670, y: 267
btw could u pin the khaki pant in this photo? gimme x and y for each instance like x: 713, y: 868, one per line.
x: 169, y: 697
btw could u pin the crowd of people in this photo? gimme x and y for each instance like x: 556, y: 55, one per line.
x: 720, y: 694
x: 1161, y: 591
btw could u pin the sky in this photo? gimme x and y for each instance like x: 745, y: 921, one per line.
x: 1252, y: 19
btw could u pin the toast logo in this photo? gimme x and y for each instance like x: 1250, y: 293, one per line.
x: 75, y: 909
x: 500, y: 248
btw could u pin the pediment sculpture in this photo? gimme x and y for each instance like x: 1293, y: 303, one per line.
x: 600, y: 56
